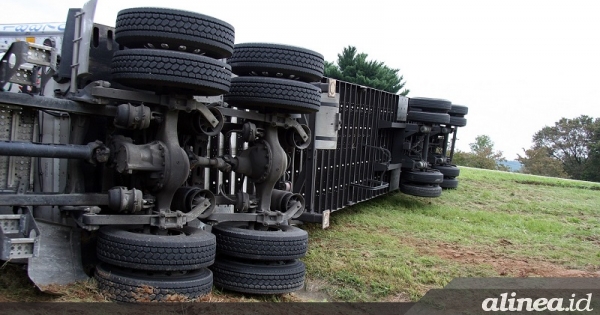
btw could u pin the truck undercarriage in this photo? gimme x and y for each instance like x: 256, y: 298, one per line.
x: 159, y: 154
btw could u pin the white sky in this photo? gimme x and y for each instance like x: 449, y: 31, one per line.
x: 518, y: 65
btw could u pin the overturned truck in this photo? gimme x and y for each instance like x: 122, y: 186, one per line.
x: 159, y: 154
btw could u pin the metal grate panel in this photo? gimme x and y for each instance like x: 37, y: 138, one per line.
x: 351, y: 173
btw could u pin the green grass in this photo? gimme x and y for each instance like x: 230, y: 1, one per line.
x: 383, y: 247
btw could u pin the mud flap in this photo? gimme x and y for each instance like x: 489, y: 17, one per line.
x: 58, y: 261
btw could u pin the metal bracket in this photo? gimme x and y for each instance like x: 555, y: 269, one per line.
x: 100, y: 92
x: 163, y: 220
x: 265, y: 218
x: 25, y: 62
x: 19, y: 235
x: 274, y: 120
x: 402, y: 113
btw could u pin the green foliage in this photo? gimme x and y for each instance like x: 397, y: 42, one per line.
x: 540, y: 162
x: 354, y: 67
x: 482, y: 155
x: 593, y: 163
x: 575, y: 143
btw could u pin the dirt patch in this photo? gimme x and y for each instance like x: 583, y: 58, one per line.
x: 503, y: 264
x: 313, y: 291
x: 401, y: 297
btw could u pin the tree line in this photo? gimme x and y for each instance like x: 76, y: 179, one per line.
x: 568, y: 149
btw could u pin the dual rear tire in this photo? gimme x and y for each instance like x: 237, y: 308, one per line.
x: 275, y: 78
x: 259, y: 261
x: 142, y: 267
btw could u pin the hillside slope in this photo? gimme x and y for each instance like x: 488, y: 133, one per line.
x: 495, y: 224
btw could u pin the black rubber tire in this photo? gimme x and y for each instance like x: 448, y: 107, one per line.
x: 280, y: 243
x: 457, y: 121
x: 191, y: 249
x: 423, y: 177
x: 421, y: 190
x: 257, y: 277
x: 274, y: 95
x: 449, y: 183
x: 458, y: 110
x: 425, y: 117
x: 138, y: 27
x: 272, y: 60
x: 166, y: 71
x: 434, y: 105
x: 448, y: 170
x: 125, y: 285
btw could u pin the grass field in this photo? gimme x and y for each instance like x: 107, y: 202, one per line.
x: 397, y: 247
x: 495, y: 224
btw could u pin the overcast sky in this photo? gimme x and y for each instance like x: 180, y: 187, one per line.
x: 518, y: 65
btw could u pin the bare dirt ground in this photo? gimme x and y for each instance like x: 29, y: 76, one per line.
x: 313, y: 291
x: 503, y: 264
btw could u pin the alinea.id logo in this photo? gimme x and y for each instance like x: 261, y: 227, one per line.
x: 513, y: 304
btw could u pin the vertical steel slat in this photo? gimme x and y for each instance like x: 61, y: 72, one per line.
x: 354, y: 150
x: 369, y: 140
x: 364, y: 140
x: 326, y: 193
x: 343, y: 134
x: 334, y: 177
x: 348, y: 146
x: 320, y: 186
x: 372, y: 136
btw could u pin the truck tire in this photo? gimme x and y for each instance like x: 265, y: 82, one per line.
x: 433, y: 105
x: 185, y: 249
x: 458, y: 110
x: 421, y: 190
x: 423, y: 177
x: 124, y: 285
x: 426, y: 117
x: 448, y: 170
x: 457, y: 121
x: 258, y: 277
x: 167, y: 71
x: 279, y: 243
x: 174, y: 30
x: 272, y: 60
x: 274, y: 95
x: 449, y: 183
